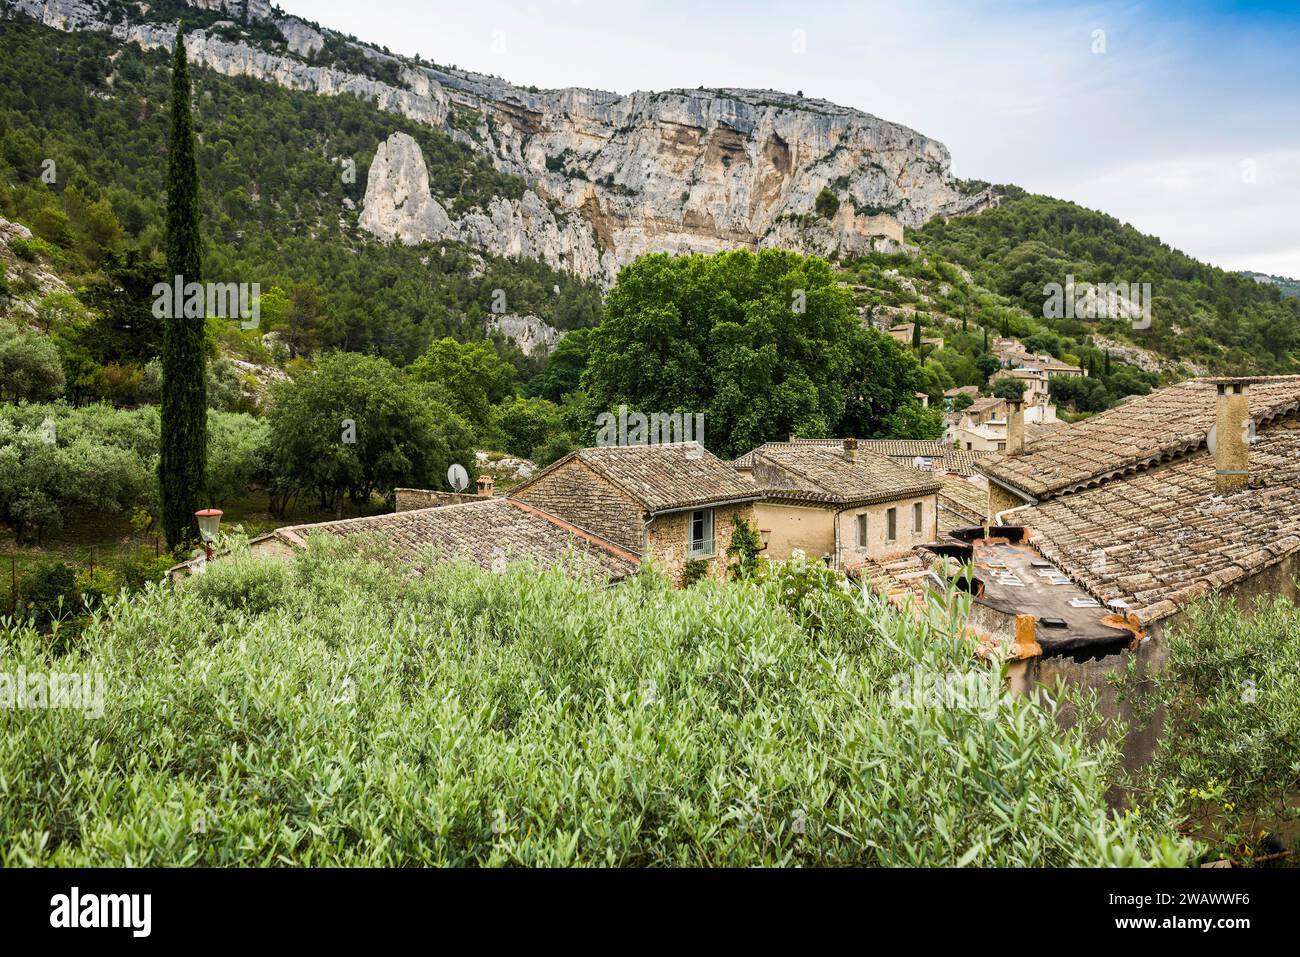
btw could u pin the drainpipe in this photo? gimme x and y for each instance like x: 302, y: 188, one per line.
x: 999, y: 519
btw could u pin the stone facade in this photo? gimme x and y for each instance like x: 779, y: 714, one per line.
x: 1000, y: 500
x: 812, y: 530
x: 579, y: 494
x: 668, y: 538
x: 409, y: 499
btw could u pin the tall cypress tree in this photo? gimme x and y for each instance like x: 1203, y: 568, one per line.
x: 182, y: 467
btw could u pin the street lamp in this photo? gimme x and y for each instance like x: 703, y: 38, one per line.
x: 766, y: 535
x: 209, y: 522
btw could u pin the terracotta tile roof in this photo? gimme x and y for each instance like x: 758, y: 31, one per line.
x: 961, y: 503
x: 963, y: 462
x: 904, y: 448
x: 906, y: 581
x: 663, y: 477
x: 1051, y: 365
x: 984, y: 404
x: 1162, y: 537
x: 1136, y: 434
x: 804, y: 472
x: 487, y: 533
x: 1041, y: 430
x: 901, y: 451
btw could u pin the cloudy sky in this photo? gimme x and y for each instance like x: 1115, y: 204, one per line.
x: 1182, y: 118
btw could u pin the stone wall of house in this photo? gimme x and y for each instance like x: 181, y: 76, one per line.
x: 410, y: 499
x: 578, y: 494
x: 668, y: 541
x: 811, y: 529
x: 808, y: 528
x: 1000, y: 500
x: 879, y: 545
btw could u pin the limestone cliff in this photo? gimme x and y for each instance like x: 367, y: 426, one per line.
x: 611, y: 176
x: 531, y: 334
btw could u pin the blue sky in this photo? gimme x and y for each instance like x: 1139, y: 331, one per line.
x: 1181, y: 118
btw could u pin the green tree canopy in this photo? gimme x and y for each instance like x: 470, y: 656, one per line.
x: 763, y: 344
x: 471, y: 376
x: 29, y: 366
x: 356, y: 425
x: 1009, y: 389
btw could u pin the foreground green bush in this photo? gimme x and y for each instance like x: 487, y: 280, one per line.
x: 1230, y: 746
x: 334, y: 710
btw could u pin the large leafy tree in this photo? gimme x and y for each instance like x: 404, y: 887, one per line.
x: 29, y: 365
x: 356, y: 425
x: 184, y: 407
x: 763, y: 344
x: 563, y: 373
x: 471, y: 376
x: 878, y: 394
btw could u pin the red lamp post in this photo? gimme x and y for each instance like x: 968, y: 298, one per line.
x: 209, y: 523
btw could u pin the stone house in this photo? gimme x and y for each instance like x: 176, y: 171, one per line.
x: 839, y: 503
x: 488, y: 531
x: 671, y: 503
x: 1037, y: 382
x: 1099, y: 534
x: 982, y: 426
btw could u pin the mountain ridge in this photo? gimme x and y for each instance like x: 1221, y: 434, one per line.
x: 621, y: 174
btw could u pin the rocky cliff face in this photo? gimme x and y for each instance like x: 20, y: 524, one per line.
x: 531, y: 334
x: 398, y: 205
x: 611, y: 176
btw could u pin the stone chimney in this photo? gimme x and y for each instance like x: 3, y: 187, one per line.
x: 485, y: 486
x: 1015, y: 426
x: 1231, y: 438
x: 850, y: 450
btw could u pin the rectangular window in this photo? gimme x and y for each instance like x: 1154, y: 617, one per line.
x: 701, y: 533
x: 891, y: 524
x: 862, y: 530
x: 917, y: 518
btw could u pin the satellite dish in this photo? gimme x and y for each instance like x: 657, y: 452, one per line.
x: 457, y: 477
x: 1212, y: 440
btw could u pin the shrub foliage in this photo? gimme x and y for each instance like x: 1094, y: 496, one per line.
x: 335, y: 710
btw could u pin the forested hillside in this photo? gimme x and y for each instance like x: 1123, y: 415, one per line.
x: 1225, y: 321
x: 279, y: 200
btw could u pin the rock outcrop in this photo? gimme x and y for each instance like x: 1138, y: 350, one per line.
x: 610, y: 176
x: 398, y: 205
x: 531, y: 334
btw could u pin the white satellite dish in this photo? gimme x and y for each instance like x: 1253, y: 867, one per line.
x: 1212, y: 440
x: 457, y: 477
